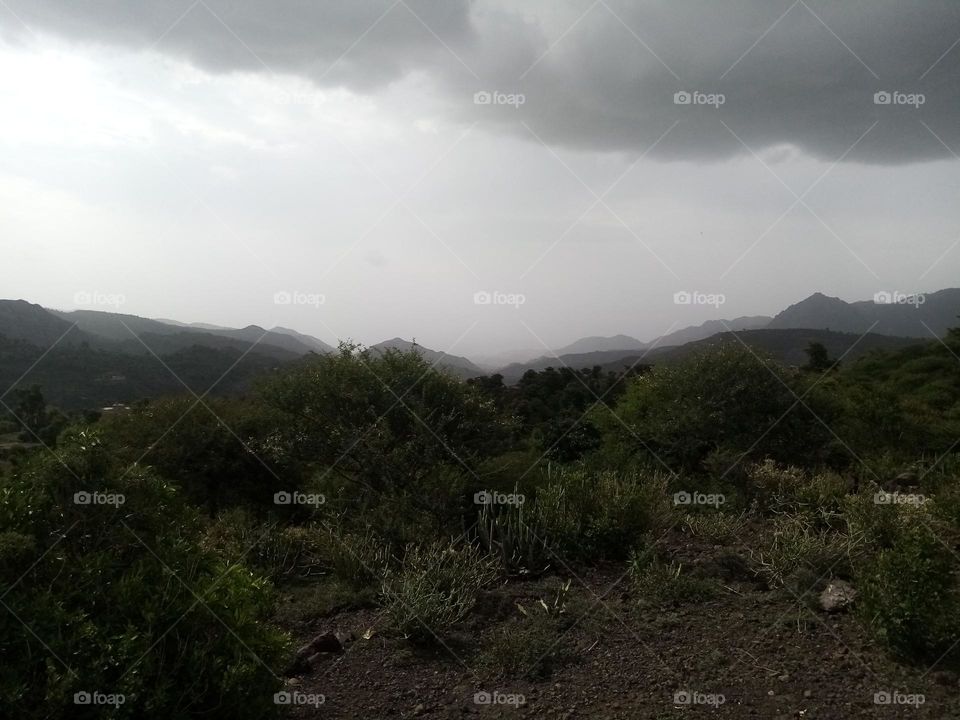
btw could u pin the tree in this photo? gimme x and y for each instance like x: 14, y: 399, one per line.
x: 220, y: 451
x: 105, y: 567
x: 818, y: 359
x: 30, y: 410
x: 725, y: 399
x: 384, y: 420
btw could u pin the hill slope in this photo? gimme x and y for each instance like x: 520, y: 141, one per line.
x: 459, y: 366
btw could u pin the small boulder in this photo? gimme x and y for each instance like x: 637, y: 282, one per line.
x: 837, y: 595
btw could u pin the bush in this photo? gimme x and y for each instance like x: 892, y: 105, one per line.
x: 717, y: 527
x: 909, y: 595
x: 796, y: 546
x: 124, y: 600
x: 434, y: 587
x: 507, y: 532
x: 659, y: 582
x: 220, y: 457
x: 595, y: 516
x: 278, y: 553
x: 725, y: 398
x: 381, y: 420
x: 532, y: 645
x: 779, y: 490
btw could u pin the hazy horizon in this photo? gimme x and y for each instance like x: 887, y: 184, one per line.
x: 209, y: 160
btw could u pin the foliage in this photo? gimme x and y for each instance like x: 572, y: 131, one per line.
x: 658, y: 582
x: 726, y: 398
x: 533, y: 643
x: 795, y: 545
x: 508, y: 532
x: 384, y: 421
x: 910, y: 595
x: 594, y: 516
x: 123, y: 599
x: 434, y: 587
x: 780, y: 490
x: 219, y: 451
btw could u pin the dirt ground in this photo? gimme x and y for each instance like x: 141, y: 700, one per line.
x: 749, y: 652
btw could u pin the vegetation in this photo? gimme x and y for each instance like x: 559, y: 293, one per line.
x: 361, y: 479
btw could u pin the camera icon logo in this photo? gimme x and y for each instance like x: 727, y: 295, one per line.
x: 282, y: 698
x: 82, y: 498
x: 682, y: 697
x: 482, y: 298
x: 682, y: 298
x: 882, y: 98
x: 482, y: 98
x: 682, y: 498
x: 482, y: 498
x: 82, y: 698
x: 482, y: 698
x: 282, y: 498
x: 282, y: 298
x: 682, y: 98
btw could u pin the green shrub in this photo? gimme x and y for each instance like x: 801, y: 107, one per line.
x: 123, y: 599
x: 725, y: 397
x: 358, y: 558
x: 380, y: 421
x: 718, y: 527
x: 507, y: 532
x: 780, y: 490
x: 526, y: 646
x: 796, y: 545
x: 909, y: 595
x: 658, y: 582
x: 594, y: 516
x: 434, y: 587
x: 279, y: 553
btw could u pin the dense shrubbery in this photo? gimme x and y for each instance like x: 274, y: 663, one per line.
x: 126, y: 598
x: 122, y: 599
x: 434, y: 586
x: 725, y: 399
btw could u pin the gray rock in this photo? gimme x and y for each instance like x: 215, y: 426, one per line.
x: 837, y: 595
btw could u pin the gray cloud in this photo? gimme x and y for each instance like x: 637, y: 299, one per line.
x: 595, y: 76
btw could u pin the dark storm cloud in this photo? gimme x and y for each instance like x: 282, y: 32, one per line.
x: 597, y: 75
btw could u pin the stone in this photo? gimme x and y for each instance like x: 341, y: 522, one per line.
x: 837, y: 595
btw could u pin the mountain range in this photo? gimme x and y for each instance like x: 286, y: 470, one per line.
x: 86, y: 358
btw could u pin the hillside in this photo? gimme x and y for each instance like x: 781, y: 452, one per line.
x: 930, y: 316
x: 460, y: 366
x: 789, y: 346
x: 75, y: 377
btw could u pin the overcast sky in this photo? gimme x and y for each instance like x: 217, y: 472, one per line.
x: 238, y: 161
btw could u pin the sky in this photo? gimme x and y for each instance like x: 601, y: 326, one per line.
x: 479, y: 176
